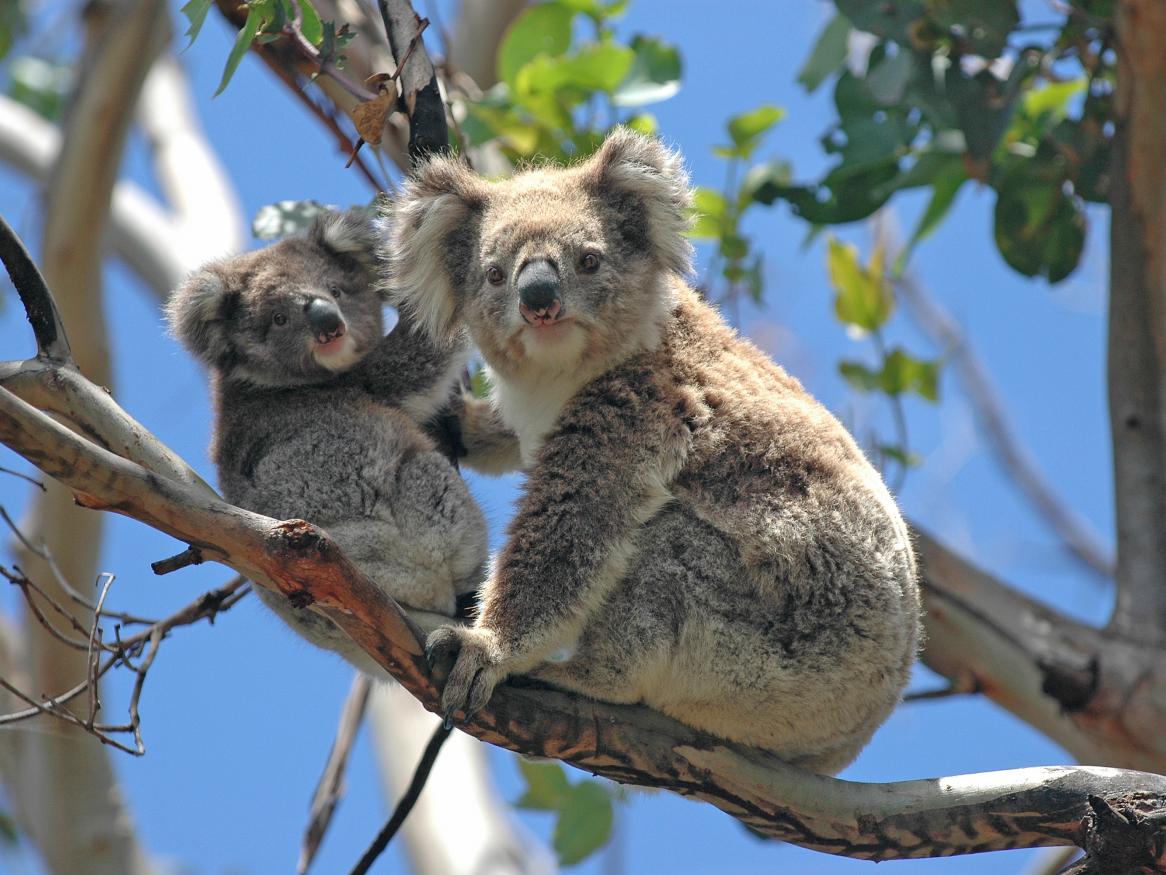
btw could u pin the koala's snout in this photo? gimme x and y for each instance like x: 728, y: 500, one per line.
x: 539, y: 292
x: 325, y: 320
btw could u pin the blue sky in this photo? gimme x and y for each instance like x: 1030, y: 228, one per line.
x: 238, y: 717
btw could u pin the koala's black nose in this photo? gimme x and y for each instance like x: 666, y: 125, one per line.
x: 538, y: 285
x: 324, y: 319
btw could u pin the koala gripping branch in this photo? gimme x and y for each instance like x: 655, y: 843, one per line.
x: 111, y: 463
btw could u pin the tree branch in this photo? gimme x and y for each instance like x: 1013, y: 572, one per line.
x: 428, y: 132
x: 1137, y: 314
x: 1101, y: 698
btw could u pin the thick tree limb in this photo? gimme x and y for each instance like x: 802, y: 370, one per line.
x: 428, y: 132
x: 1137, y: 322
x: 1101, y: 697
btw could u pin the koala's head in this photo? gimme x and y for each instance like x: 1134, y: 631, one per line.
x: 554, y: 268
x: 294, y: 313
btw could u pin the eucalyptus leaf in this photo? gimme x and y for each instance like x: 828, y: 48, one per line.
x: 544, y: 29
x: 584, y: 824
x: 654, y: 75
x: 862, y: 295
x: 256, y: 16
x: 310, y: 24
x: 195, y: 12
x: 827, y: 55
x: 547, y: 788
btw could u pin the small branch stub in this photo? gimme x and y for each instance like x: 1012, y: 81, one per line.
x: 1121, y: 839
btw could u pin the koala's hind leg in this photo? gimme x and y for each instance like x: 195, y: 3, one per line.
x: 691, y: 632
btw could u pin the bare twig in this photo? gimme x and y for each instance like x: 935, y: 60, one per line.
x: 37, y: 483
x: 407, y: 801
x: 330, y: 787
x: 39, y: 305
x: 121, y: 653
x: 189, y: 556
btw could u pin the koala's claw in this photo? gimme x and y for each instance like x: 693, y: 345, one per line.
x: 447, y: 721
x: 474, y: 668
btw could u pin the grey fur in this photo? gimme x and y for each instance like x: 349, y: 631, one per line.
x: 696, y: 532
x: 334, y: 439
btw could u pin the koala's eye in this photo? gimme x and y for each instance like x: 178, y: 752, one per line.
x: 334, y: 290
x: 494, y: 275
x: 589, y: 263
x: 279, y: 319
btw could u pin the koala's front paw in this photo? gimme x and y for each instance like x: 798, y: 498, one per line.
x: 473, y: 665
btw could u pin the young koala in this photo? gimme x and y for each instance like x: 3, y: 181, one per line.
x: 696, y: 532
x: 318, y: 416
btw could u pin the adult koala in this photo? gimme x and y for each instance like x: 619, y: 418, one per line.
x: 696, y: 532
x: 319, y: 416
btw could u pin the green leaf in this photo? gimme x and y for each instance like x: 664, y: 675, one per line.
x: 943, y: 195
x: 1039, y: 229
x: 891, y: 20
x: 904, y: 457
x: 310, y: 25
x: 595, y: 67
x: 595, y: 9
x: 860, y: 377
x: 643, y: 123
x: 905, y: 373
x: 546, y: 783
x: 710, y: 213
x: 584, y: 824
x: 40, y: 84
x: 763, y: 183
x: 745, y: 129
x: 654, y: 76
x: 541, y: 30
x: 480, y: 388
x: 982, y: 26
x: 734, y: 247
x: 1052, y: 100
x: 862, y: 296
x: 285, y: 217
x: 827, y: 55
x: 195, y: 12
x: 888, y: 79
x: 256, y: 15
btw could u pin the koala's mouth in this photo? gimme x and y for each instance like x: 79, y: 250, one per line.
x: 335, y: 350
x: 543, y: 316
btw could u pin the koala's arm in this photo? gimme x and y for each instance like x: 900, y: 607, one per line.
x: 409, y: 370
x: 487, y: 444
x: 605, y: 469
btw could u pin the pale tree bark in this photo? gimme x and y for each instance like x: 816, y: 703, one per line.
x: 70, y: 803
x: 1137, y: 322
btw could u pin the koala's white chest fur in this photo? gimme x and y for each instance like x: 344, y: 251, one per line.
x: 531, y: 406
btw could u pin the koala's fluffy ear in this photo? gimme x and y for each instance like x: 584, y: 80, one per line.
x: 429, y: 242
x: 352, y: 233
x: 200, y: 312
x: 630, y: 165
